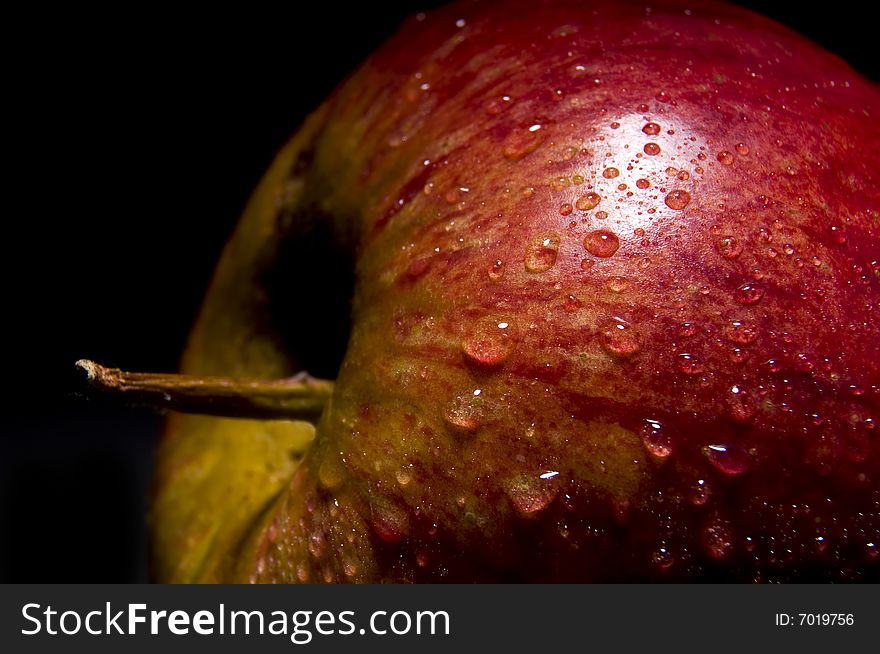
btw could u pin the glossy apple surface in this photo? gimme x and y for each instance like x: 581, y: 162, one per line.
x: 615, y: 280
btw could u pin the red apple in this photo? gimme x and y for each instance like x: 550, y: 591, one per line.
x: 616, y: 280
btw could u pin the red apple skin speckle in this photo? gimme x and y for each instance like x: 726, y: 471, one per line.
x: 712, y: 417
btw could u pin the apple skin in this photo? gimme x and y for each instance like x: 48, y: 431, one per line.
x: 614, y: 317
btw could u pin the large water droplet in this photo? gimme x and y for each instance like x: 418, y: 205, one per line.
x: 742, y: 332
x: 523, y: 142
x: 610, y: 173
x: 740, y: 406
x: 687, y: 329
x: 728, y: 459
x: 465, y: 413
x: 488, y: 343
x: 617, y: 284
x: 389, y: 522
x: 725, y: 157
x: 678, y: 200
x: 331, y: 472
x: 651, y: 129
x: 717, y: 538
x: 496, y: 271
x: 533, y: 493
x: 620, y: 339
x: 728, y: 247
x: 656, y: 441
x: 403, y: 476
x: 749, y: 294
x: 651, y: 149
x: 602, y: 243
x: 588, y: 201
x: 700, y: 492
x: 662, y: 559
x: 350, y: 567
x: 316, y: 544
x: 542, y: 252
x: 688, y: 364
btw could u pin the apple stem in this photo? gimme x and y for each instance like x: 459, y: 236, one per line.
x: 301, y: 397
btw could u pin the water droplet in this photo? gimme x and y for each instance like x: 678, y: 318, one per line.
x: 316, y: 544
x: 774, y: 365
x: 688, y: 364
x: 532, y: 493
x: 651, y: 149
x: 588, y: 201
x: 523, y: 142
x: 497, y: 105
x: 456, y: 194
x: 803, y: 362
x: 717, y: 538
x: 643, y: 183
x: 389, y: 522
x: 602, y: 243
x: 331, y: 472
x: 725, y: 157
x: 651, y: 129
x: 678, y: 200
x: 542, y: 252
x: 488, y: 343
x: 687, y: 329
x: 700, y: 492
x: 496, y: 271
x: 615, y: 125
x: 838, y: 235
x: 739, y: 405
x: 643, y: 108
x: 601, y: 215
x: 565, y: 209
x: 617, y: 284
x: 742, y: 148
x: 465, y: 413
x: 620, y: 339
x: 350, y: 567
x: 662, y: 559
x: 655, y: 440
x: 728, y: 247
x: 855, y: 390
x: 610, y: 173
x: 749, y: 294
x: 727, y: 459
x: 403, y: 477
x: 741, y: 332
x: 663, y: 96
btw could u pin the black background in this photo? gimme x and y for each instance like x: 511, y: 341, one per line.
x: 132, y: 143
